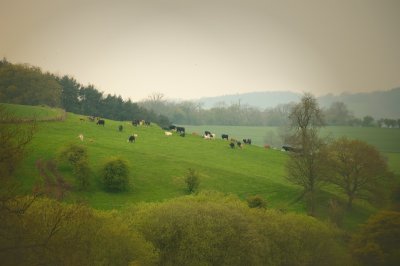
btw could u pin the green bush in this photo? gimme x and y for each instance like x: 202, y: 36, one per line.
x: 256, y: 202
x: 192, y: 180
x: 77, y: 157
x: 74, y: 153
x: 115, y: 173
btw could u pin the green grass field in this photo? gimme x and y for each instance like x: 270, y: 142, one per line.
x: 386, y: 140
x: 158, y: 164
x: 39, y: 113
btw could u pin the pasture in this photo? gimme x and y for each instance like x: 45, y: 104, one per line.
x: 158, y: 164
x: 386, y: 140
x: 39, y: 113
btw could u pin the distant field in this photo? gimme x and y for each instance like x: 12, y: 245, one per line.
x: 40, y: 113
x: 387, y: 140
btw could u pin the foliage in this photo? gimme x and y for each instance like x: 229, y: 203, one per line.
x: 115, y: 174
x: 14, y: 138
x: 359, y: 169
x: 77, y: 156
x: 338, y: 114
x: 212, y: 229
x: 192, y: 180
x: 52, y: 233
x: 24, y: 84
x: 74, y: 153
x: 256, y: 202
x: 377, y: 243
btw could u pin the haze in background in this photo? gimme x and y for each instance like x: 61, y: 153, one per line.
x: 191, y: 49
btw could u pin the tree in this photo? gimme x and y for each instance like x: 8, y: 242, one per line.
x: 115, y: 174
x: 192, y: 180
x: 308, y: 166
x: 70, y: 94
x: 359, y: 169
x: 377, y: 243
x: 367, y: 121
x: 338, y: 114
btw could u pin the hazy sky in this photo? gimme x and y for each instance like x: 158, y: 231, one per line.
x: 189, y: 49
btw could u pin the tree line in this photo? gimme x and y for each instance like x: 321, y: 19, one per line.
x: 237, y: 114
x: 25, y: 84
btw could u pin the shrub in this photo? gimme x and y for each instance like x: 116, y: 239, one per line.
x: 82, y: 174
x: 77, y: 156
x: 192, y: 180
x: 256, y: 202
x: 115, y: 174
x: 74, y: 153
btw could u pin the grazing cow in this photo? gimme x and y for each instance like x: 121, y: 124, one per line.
x: 180, y: 129
x: 101, y: 122
x: 247, y: 141
x: 232, y: 145
x: 292, y: 149
x: 120, y: 128
x: 166, y: 133
x: 225, y: 136
x: 135, y: 122
x: 207, y: 137
x: 239, y: 144
x: 131, y: 139
x: 147, y: 123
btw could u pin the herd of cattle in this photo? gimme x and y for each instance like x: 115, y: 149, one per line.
x: 181, y: 131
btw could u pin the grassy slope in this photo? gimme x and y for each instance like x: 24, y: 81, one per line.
x: 39, y: 113
x: 158, y: 164
x: 385, y: 139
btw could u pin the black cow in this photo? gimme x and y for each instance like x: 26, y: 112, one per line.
x: 225, y: 136
x: 135, y: 122
x: 239, y: 144
x: 247, y: 141
x: 147, y: 123
x: 131, y: 139
x: 232, y: 145
x: 292, y: 149
x: 120, y: 128
x: 101, y: 122
x: 180, y: 129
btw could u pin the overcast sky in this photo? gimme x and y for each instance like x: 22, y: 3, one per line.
x: 188, y: 49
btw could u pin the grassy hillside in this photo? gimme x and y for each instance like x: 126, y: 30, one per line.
x: 40, y: 113
x: 386, y: 140
x: 158, y: 164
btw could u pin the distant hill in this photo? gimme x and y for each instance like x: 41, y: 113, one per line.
x: 379, y: 104
x: 257, y: 99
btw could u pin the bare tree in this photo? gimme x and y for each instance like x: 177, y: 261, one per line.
x: 308, y: 164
